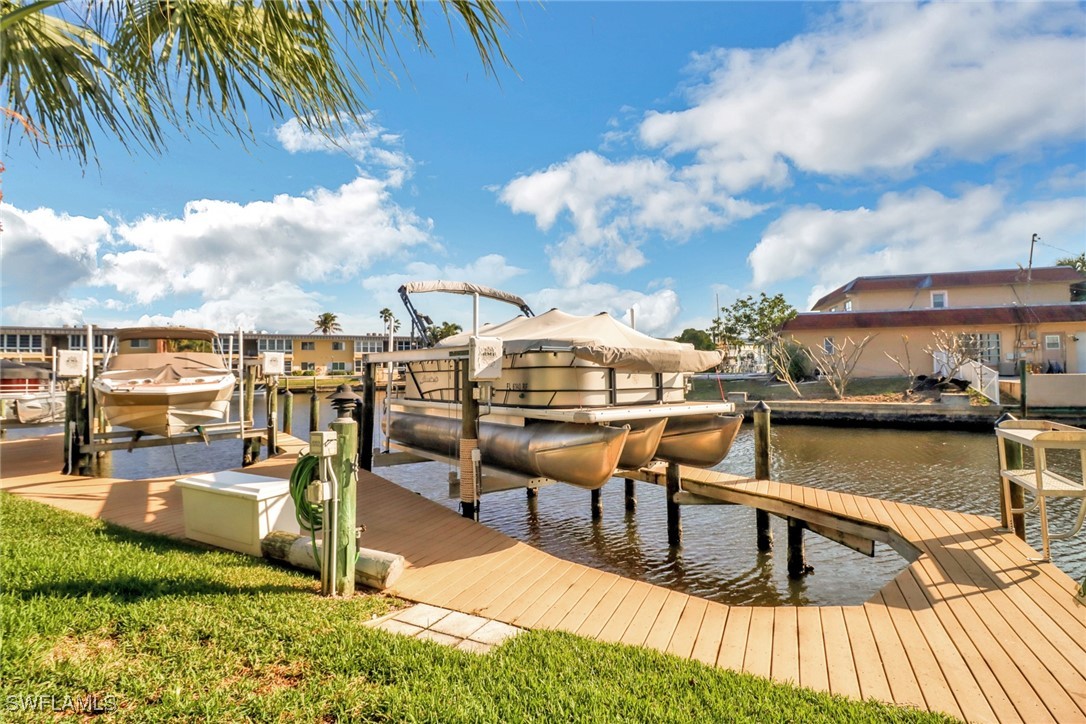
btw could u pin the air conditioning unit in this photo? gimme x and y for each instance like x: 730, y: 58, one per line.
x: 71, y: 363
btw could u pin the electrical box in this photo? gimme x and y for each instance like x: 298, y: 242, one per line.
x: 323, y: 443
x: 484, y: 358
x: 71, y: 363
x: 274, y: 363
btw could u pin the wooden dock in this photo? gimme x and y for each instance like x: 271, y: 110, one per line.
x: 971, y: 627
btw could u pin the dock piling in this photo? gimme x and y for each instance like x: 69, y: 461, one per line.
x: 271, y: 385
x: 314, y: 409
x: 346, y: 529
x: 674, y: 517
x: 797, y: 555
x: 631, y: 495
x: 288, y: 410
x: 761, y: 471
x: 597, y: 504
x: 469, y: 445
x: 1013, y: 451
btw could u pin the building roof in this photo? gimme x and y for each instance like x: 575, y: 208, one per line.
x: 951, y: 318
x: 994, y: 277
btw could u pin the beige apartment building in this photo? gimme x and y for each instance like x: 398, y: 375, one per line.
x: 316, y: 353
x: 1005, y: 315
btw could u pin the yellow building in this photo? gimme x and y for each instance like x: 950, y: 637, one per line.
x: 1005, y: 315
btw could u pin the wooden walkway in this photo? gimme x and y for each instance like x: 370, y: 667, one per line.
x: 971, y: 628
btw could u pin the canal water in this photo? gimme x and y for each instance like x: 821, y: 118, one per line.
x: 718, y: 559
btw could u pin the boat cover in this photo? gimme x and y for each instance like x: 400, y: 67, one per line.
x: 600, y: 339
x: 463, y: 288
x: 164, y: 333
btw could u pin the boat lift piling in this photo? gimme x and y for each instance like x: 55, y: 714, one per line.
x: 288, y: 411
x: 271, y: 386
x: 761, y: 472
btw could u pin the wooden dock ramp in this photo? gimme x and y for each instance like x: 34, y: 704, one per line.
x: 971, y: 627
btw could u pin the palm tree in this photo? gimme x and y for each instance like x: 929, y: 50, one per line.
x: 132, y: 69
x: 445, y: 329
x: 326, y: 324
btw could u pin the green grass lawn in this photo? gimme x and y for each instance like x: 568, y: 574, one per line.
x: 761, y: 390
x: 157, y: 630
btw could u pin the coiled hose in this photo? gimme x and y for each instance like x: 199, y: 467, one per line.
x: 310, y: 516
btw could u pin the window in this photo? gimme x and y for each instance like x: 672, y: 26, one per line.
x: 339, y: 346
x: 309, y: 366
x: 287, y: 366
x: 79, y: 341
x: 358, y: 366
x: 848, y: 305
x: 140, y: 344
x: 982, y: 347
x: 1052, y: 341
x: 309, y: 346
x: 402, y: 344
x: 938, y: 300
x: 339, y: 366
x: 23, y: 343
x: 275, y: 345
x: 362, y: 346
x: 827, y: 345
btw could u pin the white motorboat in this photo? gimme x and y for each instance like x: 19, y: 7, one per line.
x: 164, y: 380
x: 568, y: 384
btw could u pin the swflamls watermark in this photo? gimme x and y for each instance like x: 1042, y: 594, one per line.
x: 72, y: 704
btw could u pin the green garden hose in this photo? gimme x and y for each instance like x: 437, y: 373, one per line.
x: 309, y: 515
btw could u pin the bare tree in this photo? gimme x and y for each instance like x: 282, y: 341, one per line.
x: 839, y: 362
x: 783, y: 357
x: 952, y: 350
x: 906, y: 367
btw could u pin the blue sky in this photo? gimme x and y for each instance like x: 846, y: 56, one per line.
x: 653, y: 156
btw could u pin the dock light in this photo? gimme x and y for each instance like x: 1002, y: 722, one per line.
x: 344, y: 400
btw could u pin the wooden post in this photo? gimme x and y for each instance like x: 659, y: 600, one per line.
x: 469, y: 444
x: 1023, y: 375
x: 1014, y: 461
x: 314, y: 409
x: 631, y: 495
x: 369, y: 394
x: 83, y: 425
x: 248, y: 400
x: 597, y: 504
x: 762, y: 453
x: 533, y: 493
x: 271, y: 384
x: 71, y: 431
x: 797, y: 556
x: 288, y: 410
x: 346, y: 533
x: 674, y: 518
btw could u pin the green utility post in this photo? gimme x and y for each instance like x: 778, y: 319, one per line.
x: 346, y: 430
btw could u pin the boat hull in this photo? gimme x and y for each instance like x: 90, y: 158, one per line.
x: 39, y: 408
x: 700, y: 441
x: 166, y: 411
x: 642, y: 442
x: 582, y: 455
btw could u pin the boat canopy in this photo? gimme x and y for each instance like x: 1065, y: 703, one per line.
x: 600, y: 339
x: 128, y: 333
x: 463, y: 288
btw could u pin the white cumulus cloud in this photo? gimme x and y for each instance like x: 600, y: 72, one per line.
x: 45, y: 252
x: 883, y: 87
x: 922, y: 230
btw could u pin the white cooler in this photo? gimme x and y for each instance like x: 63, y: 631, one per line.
x: 236, y: 510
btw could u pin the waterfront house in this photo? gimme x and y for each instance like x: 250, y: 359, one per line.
x: 1008, y: 315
